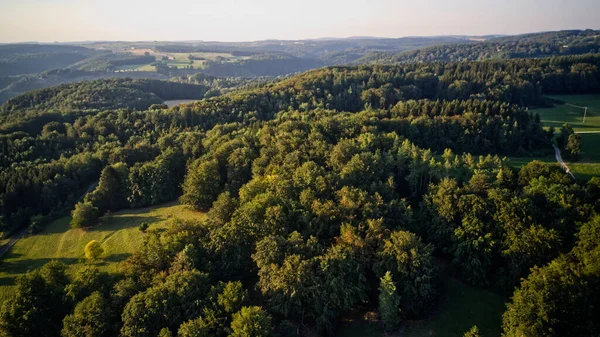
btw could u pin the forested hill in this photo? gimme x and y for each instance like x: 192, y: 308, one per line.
x: 103, y: 95
x: 327, y: 193
x: 570, y: 42
x: 16, y: 59
x: 520, y: 81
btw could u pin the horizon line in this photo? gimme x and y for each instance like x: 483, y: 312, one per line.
x: 356, y: 37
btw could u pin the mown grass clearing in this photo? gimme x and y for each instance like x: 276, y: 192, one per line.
x: 588, y: 165
x: 460, y: 307
x: 118, y: 234
x: 564, y: 113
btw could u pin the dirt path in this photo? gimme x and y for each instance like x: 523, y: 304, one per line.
x: 22, y: 233
x: 562, y: 163
x: 12, y: 242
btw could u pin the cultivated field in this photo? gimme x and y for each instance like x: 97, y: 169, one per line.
x: 175, y: 102
x: 179, y: 60
x: 118, y: 234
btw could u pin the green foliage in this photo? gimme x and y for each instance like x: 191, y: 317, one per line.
x: 84, y: 215
x: 251, y: 322
x: 93, y: 250
x: 536, y: 169
x: 102, y: 95
x: 86, y: 281
x: 170, y: 302
x: 389, y: 302
x: 233, y: 297
x: 573, y: 146
x: 194, y: 328
x: 560, y: 298
x: 164, y: 332
x: 411, y: 265
x: 202, y: 185
x: 473, y: 332
x: 90, y: 319
x: 543, y: 44
x: 110, y: 193
x: 37, y: 306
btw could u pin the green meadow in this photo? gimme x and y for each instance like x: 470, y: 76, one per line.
x: 588, y: 164
x: 564, y: 113
x: 118, y: 234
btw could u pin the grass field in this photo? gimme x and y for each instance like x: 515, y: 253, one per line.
x: 588, y: 165
x: 561, y: 114
x: 460, y: 308
x: 118, y: 234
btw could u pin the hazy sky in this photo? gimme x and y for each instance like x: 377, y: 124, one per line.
x: 234, y: 20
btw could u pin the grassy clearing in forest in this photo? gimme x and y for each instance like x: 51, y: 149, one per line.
x: 118, y: 234
x: 588, y: 165
x: 563, y: 113
x: 460, y: 307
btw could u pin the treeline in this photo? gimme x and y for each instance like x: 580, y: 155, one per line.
x: 108, y: 61
x: 20, y: 59
x: 522, y: 82
x: 102, y: 94
x: 260, y: 65
x: 571, y: 42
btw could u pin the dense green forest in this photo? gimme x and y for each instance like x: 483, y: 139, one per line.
x: 335, y: 190
x: 102, y: 95
x: 569, y: 42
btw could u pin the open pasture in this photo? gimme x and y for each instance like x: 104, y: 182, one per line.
x: 118, y: 234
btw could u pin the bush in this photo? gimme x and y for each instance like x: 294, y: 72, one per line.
x: 84, y: 215
x: 93, y: 250
x: 144, y: 227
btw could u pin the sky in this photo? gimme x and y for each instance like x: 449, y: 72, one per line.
x: 252, y: 20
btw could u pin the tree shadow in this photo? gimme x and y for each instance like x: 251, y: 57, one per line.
x: 109, y: 223
x: 112, y: 223
x: 114, y: 258
x: 7, y: 281
x: 22, y: 266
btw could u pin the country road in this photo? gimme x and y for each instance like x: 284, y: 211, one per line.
x: 562, y: 163
x: 22, y: 233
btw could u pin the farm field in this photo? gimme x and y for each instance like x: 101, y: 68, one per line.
x: 117, y: 233
x: 179, y: 60
x: 179, y: 101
